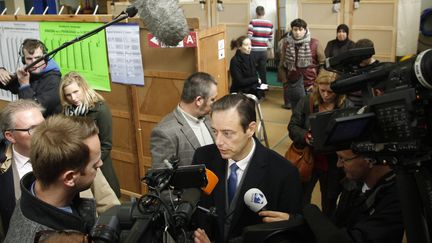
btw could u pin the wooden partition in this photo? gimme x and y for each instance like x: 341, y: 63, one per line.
x: 137, y: 109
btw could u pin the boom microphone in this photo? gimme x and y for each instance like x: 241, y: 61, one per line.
x: 164, y: 19
x: 254, y: 198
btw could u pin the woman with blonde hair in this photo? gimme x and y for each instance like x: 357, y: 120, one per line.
x: 79, y: 99
x: 325, y: 170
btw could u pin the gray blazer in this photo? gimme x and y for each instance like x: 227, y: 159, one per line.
x: 173, y: 136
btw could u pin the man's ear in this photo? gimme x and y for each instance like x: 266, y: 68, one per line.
x: 9, y: 136
x: 199, y: 101
x: 69, y: 178
x: 250, y: 131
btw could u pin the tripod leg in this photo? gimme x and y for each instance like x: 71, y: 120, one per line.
x: 412, y: 211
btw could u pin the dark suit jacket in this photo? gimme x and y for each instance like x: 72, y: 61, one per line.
x: 267, y: 171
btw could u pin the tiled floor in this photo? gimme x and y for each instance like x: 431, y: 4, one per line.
x: 276, y: 121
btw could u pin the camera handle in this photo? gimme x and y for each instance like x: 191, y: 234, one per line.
x: 139, y: 231
x: 414, y: 187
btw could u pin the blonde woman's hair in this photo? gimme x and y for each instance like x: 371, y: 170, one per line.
x: 326, y: 77
x: 91, y: 97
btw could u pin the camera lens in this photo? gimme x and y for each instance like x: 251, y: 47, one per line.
x: 422, y: 68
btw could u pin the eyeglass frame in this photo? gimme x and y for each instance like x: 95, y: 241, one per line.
x: 348, y: 159
x: 28, y: 130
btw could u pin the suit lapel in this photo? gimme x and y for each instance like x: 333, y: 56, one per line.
x: 253, y: 177
x: 187, y: 130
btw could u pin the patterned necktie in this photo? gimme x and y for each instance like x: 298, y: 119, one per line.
x: 232, y: 182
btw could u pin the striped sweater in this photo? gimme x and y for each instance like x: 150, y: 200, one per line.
x: 261, y: 33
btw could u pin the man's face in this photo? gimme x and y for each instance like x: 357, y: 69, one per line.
x: 298, y: 32
x: 341, y: 35
x: 87, y: 175
x: 73, y: 94
x: 230, y: 139
x: 355, y: 166
x: 205, y: 107
x: 24, y: 119
x: 29, y: 58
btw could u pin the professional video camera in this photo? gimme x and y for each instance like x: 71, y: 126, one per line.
x: 394, y: 127
x: 396, y: 122
x: 162, y: 214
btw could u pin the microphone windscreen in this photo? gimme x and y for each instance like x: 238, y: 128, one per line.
x: 212, y: 180
x: 254, y: 198
x: 164, y: 19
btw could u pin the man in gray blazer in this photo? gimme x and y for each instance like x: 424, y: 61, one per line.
x: 187, y: 127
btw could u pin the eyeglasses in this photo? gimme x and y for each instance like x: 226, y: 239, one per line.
x: 29, y: 130
x: 341, y: 160
x: 61, y: 235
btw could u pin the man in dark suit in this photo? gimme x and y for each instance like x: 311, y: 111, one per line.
x: 186, y: 128
x: 238, y: 158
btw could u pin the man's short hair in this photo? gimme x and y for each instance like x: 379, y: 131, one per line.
x: 244, y: 106
x: 300, y: 23
x: 363, y: 43
x: 260, y: 11
x: 30, y: 45
x: 197, y: 84
x: 58, y: 145
x: 7, y: 119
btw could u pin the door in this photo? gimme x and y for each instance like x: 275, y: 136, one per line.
x: 374, y: 20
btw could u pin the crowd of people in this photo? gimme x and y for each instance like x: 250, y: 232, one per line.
x: 58, y: 174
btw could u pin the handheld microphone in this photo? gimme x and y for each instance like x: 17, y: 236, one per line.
x: 254, y: 198
x: 164, y: 19
x: 212, y: 180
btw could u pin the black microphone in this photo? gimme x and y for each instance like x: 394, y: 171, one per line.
x: 354, y: 83
x: 164, y: 19
x: 131, y: 11
x: 350, y: 57
x: 255, y: 199
x: 322, y: 227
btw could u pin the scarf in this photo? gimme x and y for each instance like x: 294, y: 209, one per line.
x: 304, y: 54
x: 80, y: 110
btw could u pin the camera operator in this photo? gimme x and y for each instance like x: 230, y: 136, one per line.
x: 368, y: 208
x: 40, y: 83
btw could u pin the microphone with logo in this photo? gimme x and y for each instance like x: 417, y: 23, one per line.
x: 254, y: 198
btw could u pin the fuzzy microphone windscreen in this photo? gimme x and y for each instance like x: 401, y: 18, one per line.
x: 164, y: 19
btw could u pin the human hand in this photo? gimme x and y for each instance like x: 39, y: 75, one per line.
x: 308, y: 138
x: 273, y: 216
x: 5, y: 76
x: 23, y: 76
x: 200, y: 236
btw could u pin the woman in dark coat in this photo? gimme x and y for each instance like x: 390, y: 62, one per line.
x: 78, y: 99
x: 325, y: 170
x: 243, y: 69
x: 341, y: 44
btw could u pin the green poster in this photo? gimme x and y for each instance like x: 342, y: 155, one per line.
x: 87, y: 57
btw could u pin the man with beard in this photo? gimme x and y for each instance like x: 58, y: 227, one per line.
x: 65, y: 157
x: 187, y: 127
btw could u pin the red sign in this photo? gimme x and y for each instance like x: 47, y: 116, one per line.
x: 189, y: 41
